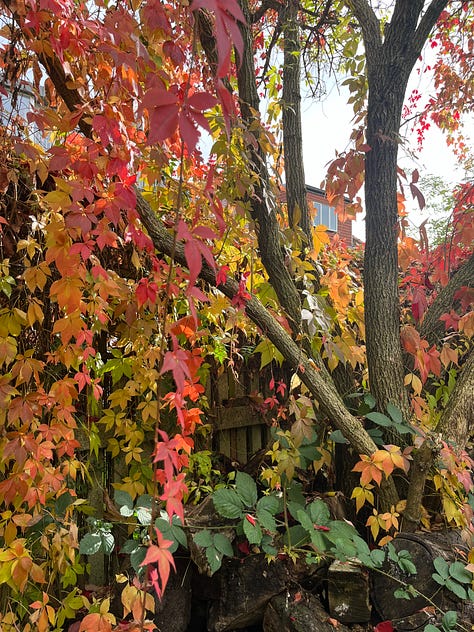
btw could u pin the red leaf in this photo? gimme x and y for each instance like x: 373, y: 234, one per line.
x: 384, y: 626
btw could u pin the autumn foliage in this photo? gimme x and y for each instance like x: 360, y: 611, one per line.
x: 131, y: 267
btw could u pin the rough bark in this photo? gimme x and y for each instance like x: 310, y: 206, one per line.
x: 456, y: 424
x: 263, y: 208
x: 390, y: 59
x: 433, y: 329
x: 422, y: 462
x: 296, y: 196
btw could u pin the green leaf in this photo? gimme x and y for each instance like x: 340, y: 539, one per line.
x: 62, y: 503
x: 123, y: 499
x: 407, y: 566
x: 90, y: 544
x: 266, y: 520
x: 320, y: 541
x: 130, y: 546
x: 430, y: 628
x: 136, y: 559
x: 442, y: 567
x: 449, y: 620
x: 267, y: 545
x: 214, y: 558
x: 338, y: 437
x: 380, y: 419
x: 296, y: 535
x: 179, y: 536
x: 126, y: 511
x: 203, y: 538
x: 246, y: 488
x: 458, y: 571
x: 319, y: 512
x: 378, y: 557
x: 376, y: 435
x: 227, y: 503
x: 440, y: 580
x: 145, y: 501
x: 400, y: 593
x: 223, y: 544
x: 253, y: 532
x: 369, y: 399
x: 295, y: 493
x: 269, y: 503
x: 456, y: 588
x: 305, y: 521
x: 107, y: 542
x: 294, y: 507
x: 343, y: 549
x: 395, y: 413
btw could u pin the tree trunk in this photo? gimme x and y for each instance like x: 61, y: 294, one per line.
x: 296, y: 197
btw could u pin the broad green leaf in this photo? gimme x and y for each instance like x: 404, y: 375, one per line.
x: 253, y: 532
x: 440, y: 580
x: 246, y: 488
x: 430, y: 628
x: 458, y: 571
x: 269, y: 503
x: 319, y: 512
x: 227, y: 503
x: 456, y: 588
x: 266, y: 520
x: 267, y: 545
x: 294, y: 508
x: 145, y: 501
x: 296, y: 536
x: 90, y: 544
x: 369, y: 399
x: 136, y: 559
x: 407, y: 566
x: 378, y: 557
x: 449, y: 620
x: 214, y: 558
x: 441, y: 566
x: 380, y: 419
x: 305, y: 521
x: 395, y: 413
x: 400, y: 593
x: 338, y: 437
x: 320, y: 541
x: 130, y: 546
x: 203, y: 538
x: 123, y: 499
x: 223, y: 544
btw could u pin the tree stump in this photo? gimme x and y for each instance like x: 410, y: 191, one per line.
x: 348, y: 593
x: 408, y: 614
x: 285, y: 613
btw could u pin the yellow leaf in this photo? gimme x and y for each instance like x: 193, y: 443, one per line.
x: 320, y: 238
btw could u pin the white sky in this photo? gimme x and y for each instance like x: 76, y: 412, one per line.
x: 327, y: 126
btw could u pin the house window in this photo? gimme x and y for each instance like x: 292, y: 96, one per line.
x: 325, y: 215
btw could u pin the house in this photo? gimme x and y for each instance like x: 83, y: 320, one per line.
x: 323, y: 213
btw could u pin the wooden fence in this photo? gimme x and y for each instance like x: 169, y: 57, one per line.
x: 240, y: 429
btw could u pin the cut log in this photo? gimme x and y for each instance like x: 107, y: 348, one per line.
x: 423, y: 548
x: 285, y: 613
x: 348, y: 592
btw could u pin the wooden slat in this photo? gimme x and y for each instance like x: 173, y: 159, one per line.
x: 236, y: 417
